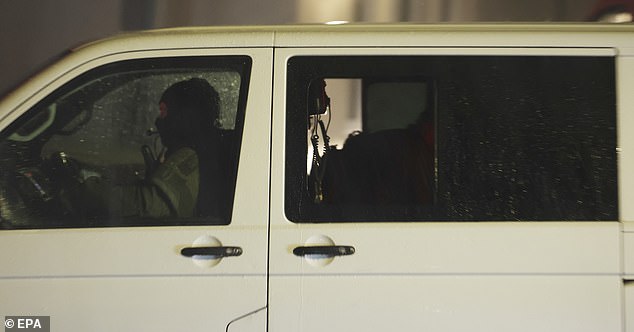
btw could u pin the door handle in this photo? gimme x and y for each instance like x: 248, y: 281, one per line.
x: 211, y: 251
x: 329, y: 251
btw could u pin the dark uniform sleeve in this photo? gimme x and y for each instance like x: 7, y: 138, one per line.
x: 177, y: 179
x: 171, y: 191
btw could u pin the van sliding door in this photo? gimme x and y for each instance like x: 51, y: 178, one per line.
x: 445, y: 190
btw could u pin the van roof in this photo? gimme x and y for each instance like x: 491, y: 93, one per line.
x: 611, y: 38
x: 373, y: 35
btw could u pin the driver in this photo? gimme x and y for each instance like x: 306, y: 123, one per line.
x: 188, y: 111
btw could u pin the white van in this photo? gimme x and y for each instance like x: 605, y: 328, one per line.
x: 372, y: 178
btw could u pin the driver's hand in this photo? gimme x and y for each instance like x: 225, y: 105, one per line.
x: 64, y: 166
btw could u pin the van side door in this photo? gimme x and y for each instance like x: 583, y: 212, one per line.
x: 148, y: 267
x: 445, y: 190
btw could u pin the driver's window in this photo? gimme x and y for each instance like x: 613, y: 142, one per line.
x: 143, y: 142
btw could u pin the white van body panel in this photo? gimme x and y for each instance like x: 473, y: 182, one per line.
x: 439, y: 276
x: 135, y: 278
x: 625, y: 138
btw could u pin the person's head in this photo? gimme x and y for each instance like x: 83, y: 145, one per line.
x: 188, y: 111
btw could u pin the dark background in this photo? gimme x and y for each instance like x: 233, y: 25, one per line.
x: 33, y: 32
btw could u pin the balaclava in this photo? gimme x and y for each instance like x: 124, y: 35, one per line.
x: 188, y: 112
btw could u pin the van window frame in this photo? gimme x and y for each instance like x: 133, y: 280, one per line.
x: 241, y: 64
x: 299, y: 208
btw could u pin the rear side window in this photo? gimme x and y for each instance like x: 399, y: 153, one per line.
x: 92, y: 154
x: 440, y: 138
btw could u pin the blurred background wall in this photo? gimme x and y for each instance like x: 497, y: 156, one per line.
x: 33, y: 32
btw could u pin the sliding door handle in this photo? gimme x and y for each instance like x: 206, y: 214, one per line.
x: 211, y: 251
x: 329, y: 251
